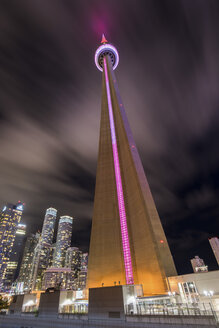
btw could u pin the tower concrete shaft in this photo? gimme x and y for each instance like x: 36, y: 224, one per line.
x: 128, y: 244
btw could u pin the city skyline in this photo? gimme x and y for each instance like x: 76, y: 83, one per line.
x: 46, y: 259
x: 49, y: 143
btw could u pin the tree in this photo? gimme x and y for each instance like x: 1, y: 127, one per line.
x: 3, y: 303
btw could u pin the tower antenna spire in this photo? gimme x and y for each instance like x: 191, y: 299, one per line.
x: 104, y: 40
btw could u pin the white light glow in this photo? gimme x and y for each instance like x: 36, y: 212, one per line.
x: 104, y: 48
x: 51, y: 211
x: 20, y: 207
x: 208, y: 293
x: 66, y: 219
x: 20, y: 232
x: 171, y: 293
x: 131, y: 299
x: 67, y: 302
x: 29, y: 303
x: 21, y: 225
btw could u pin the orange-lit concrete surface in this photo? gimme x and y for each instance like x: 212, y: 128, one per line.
x: 151, y: 258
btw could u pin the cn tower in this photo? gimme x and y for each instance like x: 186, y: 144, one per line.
x: 128, y: 245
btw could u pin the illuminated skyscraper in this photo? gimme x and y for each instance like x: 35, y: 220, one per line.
x: 42, y: 259
x: 23, y: 283
x: 128, y: 244
x: 84, y: 261
x: 14, y: 262
x: 63, y: 241
x: 43, y: 252
x: 198, y: 265
x: 58, y: 278
x: 77, y: 261
x: 49, y: 226
x: 82, y: 279
x: 214, y: 242
x: 73, y: 260
x: 82, y: 274
x: 10, y: 218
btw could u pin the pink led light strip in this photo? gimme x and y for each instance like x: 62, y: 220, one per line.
x: 121, y: 204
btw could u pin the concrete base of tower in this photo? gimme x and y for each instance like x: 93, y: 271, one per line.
x: 106, y: 302
x: 49, y: 303
x: 113, y: 302
x: 17, y: 303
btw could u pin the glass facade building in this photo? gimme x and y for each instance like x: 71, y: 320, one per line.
x: 73, y: 259
x: 214, y: 242
x: 43, y: 252
x: 63, y: 241
x: 49, y: 226
x: 9, y: 220
x: 84, y: 261
x: 58, y: 278
x: 22, y: 283
x: 198, y: 265
x: 14, y: 262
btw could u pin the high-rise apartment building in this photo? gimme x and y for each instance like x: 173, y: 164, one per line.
x: 14, y: 262
x: 214, y: 242
x: 198, y: 265
x: 128, y: 243
x: 49, y: 226
x: 73, y: 260
x: 82, y: 274
x: 43, y: 252
x: 63, y: 240
x: 58, y: 278
x: 42, y: 259
x: 82, y: 279
x: 9, y: 220
x: 78, y: 262
x: 23, y: 282
x: 84, y: 261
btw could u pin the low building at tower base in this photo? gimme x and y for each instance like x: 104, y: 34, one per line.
x: 114, y: 306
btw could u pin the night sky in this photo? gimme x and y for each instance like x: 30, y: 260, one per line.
x: 50, y: 98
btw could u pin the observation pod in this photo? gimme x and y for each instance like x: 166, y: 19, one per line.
x: 125, y: 246
x: 106, y: 49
